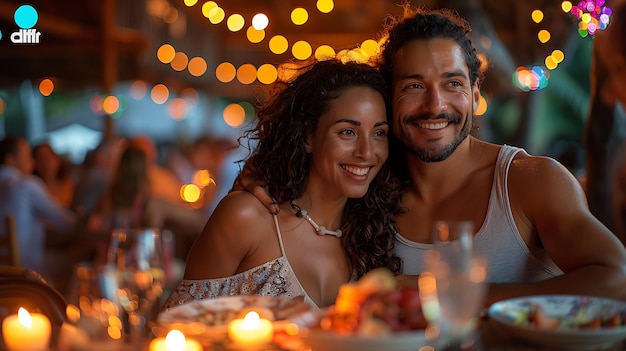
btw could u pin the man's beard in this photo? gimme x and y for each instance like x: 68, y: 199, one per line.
x: 439, y: 154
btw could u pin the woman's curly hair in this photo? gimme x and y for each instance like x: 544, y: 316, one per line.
x: 279, y: 158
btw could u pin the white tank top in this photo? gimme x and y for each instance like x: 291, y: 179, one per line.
x: 508, y: 257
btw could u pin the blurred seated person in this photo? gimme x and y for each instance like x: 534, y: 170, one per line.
x: 128, y: 202
x: 163, y: 182
x: 25, y: 197
x: 56, y: 173
x: 320, y: 146
x: 95, y: 175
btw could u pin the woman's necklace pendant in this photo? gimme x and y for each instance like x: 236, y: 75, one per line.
x: 319, y: 229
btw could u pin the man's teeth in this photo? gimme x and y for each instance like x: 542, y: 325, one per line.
x: 433, y: 125
x: 357, y: 170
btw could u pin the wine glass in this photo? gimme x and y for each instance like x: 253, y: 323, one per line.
x: 135, y: 261
x: 459, y: 274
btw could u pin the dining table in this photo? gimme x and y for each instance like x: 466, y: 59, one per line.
x: 490, y: 336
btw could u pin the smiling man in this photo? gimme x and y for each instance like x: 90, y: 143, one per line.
x: 530, y: 214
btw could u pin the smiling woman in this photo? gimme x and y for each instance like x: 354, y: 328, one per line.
x: 320, y: 146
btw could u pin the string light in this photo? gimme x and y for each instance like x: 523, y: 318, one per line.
x: 592, y: 15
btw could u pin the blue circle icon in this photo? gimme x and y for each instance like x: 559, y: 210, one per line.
x: 26, y: 17
x: 0, y: 35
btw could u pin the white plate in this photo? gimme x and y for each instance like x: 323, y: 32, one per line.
x: 507, y: 313
x: 322, y: 340
x: 207, y: 320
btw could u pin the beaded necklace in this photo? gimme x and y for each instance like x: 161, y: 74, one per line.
x: 319, y: 229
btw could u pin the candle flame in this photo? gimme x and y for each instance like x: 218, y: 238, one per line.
x: 24, y: 317
x: 175, y: 340
x: 251, y: 320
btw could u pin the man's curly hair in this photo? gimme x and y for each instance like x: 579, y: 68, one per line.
x: 279, y: 158
x: 423, y: 24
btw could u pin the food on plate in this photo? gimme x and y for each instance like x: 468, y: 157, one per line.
x: 375, y: 305
x: 581, y: 319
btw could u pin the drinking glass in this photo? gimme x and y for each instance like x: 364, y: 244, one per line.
x: 459, y: 275
x: 135, y: 260
x: 93, y: 317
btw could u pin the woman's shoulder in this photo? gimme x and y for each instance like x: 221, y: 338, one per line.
x: 242, y: 207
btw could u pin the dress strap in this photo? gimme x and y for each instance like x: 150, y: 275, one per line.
x: 280, y: 238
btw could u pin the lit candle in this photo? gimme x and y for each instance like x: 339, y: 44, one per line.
x: 175, y: 341
x: 26, y: 332
x: 251, y: 330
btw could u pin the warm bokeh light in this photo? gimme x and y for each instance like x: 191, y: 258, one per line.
x: 342, y: 53
x: 179, y: 63
x: 370, y: 47
x: 190, y: 3
x: 190, y: 192
x: 354, y: 55
x: 166, y: 53
x: 138, y: 89
x: 260, y: 21
x: 544, y: 36
x: 110, y: 104
x: 207, y: 7
x: 3, y: 106
x: 217, y: 15
x: 197, y: 66
x: 246, y: 74
x: 235, y: 22
x: 558, y: 56
x: 177, y: 108
x: 159, y: 94
x: 324, y: 52
x: 550, y: 62
x: 267, y: 74
x: 299, y: 16
x: 484, y: 61
x: 566, y: 6
x: 537, y: 16
x: 225, y: 72
x: 278, y: 44
x: 482, y: 106
x: 234, y: 115
x: 202, y: 178
x: 46, y: 87
x: 325, y: 6
x: 72, y: 312
x: 254, y: 35
x: 301, y: 50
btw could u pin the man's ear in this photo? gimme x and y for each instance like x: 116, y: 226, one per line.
x: 475, y: 96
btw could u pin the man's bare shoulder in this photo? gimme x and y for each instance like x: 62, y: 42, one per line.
x: 540, y: 178
x: 525, y: 165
